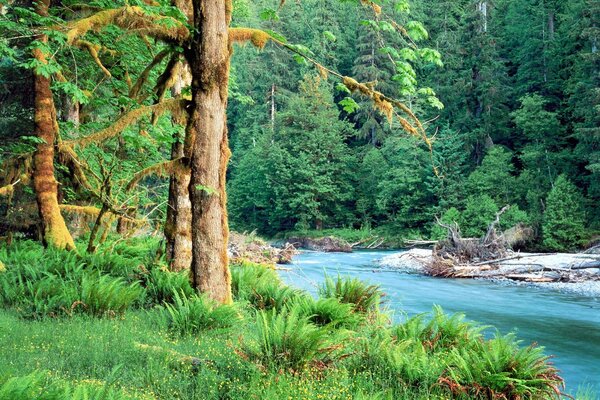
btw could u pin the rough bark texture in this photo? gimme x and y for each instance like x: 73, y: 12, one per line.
x: 55, y: 230
x: 178, y: 227
x: 209, y: 63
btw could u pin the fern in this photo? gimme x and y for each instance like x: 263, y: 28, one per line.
x: 364, y: 297
x: 192, y: 315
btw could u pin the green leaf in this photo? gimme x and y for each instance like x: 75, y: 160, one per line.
x: 349, y: 105
x: 269, y: 14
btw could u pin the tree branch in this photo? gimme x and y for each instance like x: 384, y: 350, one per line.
x: 132, y: 19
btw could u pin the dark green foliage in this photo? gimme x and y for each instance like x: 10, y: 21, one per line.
x: 161, y: 285
x: 42, y: 282
x: 480, y: 211
x: 365, y: 298
x: 563, y: 224
x: 190, y: 315
x: 450, y: 217
x: 102, y: 294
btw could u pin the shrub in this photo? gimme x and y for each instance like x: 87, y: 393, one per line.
x: 246, y: 276
x: 191, y: 315
x: 364, y: 297
x: 480, y: 211
x: 397, y: 363
x: 450, y: 217
x: 287, y: 339
x: 500, y: 368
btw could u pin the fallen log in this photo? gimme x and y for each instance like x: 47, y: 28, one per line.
x: 586, y: 265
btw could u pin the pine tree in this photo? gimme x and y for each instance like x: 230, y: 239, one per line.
x: 563, y: 227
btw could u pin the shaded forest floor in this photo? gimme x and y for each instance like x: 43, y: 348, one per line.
x: 118, y: 325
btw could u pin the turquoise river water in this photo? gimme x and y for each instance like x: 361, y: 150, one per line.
x: 568, y: 326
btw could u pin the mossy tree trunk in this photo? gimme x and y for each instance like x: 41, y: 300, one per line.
x: 55, y: 232
x: 178, y: 227
x: 209, y: 58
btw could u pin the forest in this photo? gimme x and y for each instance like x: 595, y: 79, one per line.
x: 140, y: 139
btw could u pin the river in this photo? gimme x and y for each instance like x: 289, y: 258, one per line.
x: 568, y: 326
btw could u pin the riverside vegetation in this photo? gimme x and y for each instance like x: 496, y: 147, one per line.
x: 118, y: 325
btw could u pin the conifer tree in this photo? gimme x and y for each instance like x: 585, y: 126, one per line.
x: 563, y: 225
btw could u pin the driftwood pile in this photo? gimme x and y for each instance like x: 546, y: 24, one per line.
x: 248, y: 247
x: 492, y: 257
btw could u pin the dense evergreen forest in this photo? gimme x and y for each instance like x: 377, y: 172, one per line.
x: 520, y: 87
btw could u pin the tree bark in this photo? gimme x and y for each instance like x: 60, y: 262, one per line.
x: 209, y: 58
x: 55, y: 232
x: 178, y: 226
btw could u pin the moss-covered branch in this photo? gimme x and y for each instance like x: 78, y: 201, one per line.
x: 161, y: 169
x: 132, y: 19
x: 257, y: 37
x: 93, y: 49
x: 126, y: 120
x: 143, y: 78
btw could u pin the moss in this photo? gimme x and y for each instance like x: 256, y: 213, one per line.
x: 143, y: 78
x: 376, y: 7
x: 160, y: 169
x: 257, y: 37
x: 90, y: 211
x: 7, y: 190
x: 93, y: 49
x: 132, y: 19
x: 128, y: 119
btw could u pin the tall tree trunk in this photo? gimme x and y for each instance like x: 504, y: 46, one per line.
x: 178, y: 227
x: 209, y: 58
x: 55, y: 232
x: 178, y: 224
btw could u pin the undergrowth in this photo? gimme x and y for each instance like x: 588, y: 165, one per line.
x: 119, y: 325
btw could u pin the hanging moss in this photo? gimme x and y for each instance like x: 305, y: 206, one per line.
x: 132, y: 19
x: 255, y: 36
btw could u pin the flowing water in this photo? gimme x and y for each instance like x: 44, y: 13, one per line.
x: 568, y: 326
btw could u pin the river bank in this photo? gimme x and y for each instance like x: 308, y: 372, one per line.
x: 572, y: 273
x: 566, y: 324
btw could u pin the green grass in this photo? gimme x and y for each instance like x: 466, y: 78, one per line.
x: 122, y: 327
